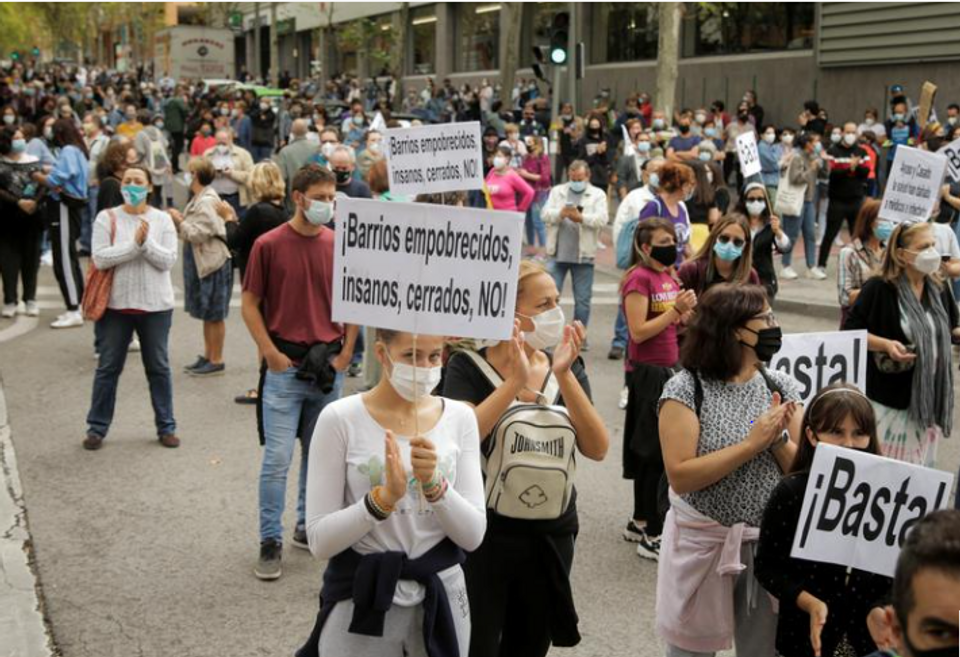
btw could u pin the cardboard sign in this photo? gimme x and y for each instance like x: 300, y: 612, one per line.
x: 818, y: 359
x: 427, y: 269
x: 748, y: 154
x: 446, y: 157
x: 952, y: 152
x: 858, y: 508
x: 927, y: 93
x: 913, y: 186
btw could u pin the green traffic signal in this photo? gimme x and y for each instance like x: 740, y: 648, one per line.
x: 559, y: 38
x: 35, y: 52
x: 15, y: 56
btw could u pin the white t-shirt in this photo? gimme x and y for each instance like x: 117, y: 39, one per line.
x: 347, y: 460
x: 947, y: 244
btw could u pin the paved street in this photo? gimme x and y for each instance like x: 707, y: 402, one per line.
x: 147, y: 551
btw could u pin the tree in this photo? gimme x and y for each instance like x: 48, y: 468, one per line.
x: 216, y: 14
x: 511, y: 50
x: 367, y: 37
x: 401, y: 56
x: 668, y: 55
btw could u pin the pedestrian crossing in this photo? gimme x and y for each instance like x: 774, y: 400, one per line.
x: 604, y: 294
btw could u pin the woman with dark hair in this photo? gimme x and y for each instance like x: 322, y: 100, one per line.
x: 677, y: 183
x: 703, y: 206
x: 595, y: 150
x: 728, y: 429
x: 823, y: 606
x: 63, y: 212
x: 21, y: 225
x: 766, y: 234
x: 119, y: 155
x: 861, y: 258
x: 726, y: 257
x: 801, y: 166
x: 654, y: 306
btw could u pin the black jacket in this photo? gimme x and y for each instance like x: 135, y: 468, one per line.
x: 260, y: 218
x: 846, y: 183
x: 763, y: 246
x: 849, y: 594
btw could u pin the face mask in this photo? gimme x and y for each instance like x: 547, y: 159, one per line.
x: 705, y: 156
x: 499, y: 162
x: 412, y: 382
x: 818, y: 148
x: 898, y: 117
x: 264, y: 106
x: 665, y: 255
x: 158, y: 125
x: 654, y: 181
x: 769, y: 341
x: 9, y: 119
x: 327, y: 149
x: 835, y: 137
x: 728, y: 252
x: 547, y: 329
x: 578, y: 186
x: 684, y: 129
x: 205, y: 132
x: 952, y: 120
x: 358, y: 120
x: 48, y: 134
x: 18, y: 145
x: 927, y: 261
x: 374, y: 147
x: 744, y: 117
x: 643, y: 146
x: 318, y: 213
x: 883, y: 230
x: 787, y: 140
x: 869, y: 121
x: 134, y: 195
x: 594, y: 129
x: 342, y: 176
x: 769, y: 137
x: 701, y: 118
x: 849, y: 139
x: 756, y: 208
x: 658, y: 124
x: 710, y: 132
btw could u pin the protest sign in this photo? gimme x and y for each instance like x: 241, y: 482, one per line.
x: 913, y: 185
x: 748, y: 153
x: 446, y: 157
x: 927, y: 93
x: 818, y: 359
x: 378, y: 123
x: 858, y: 508
x: 952, y: 152
x: 628, y: 148
x: 427, y: 269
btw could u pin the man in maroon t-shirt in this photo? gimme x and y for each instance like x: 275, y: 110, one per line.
x: 287, y: 302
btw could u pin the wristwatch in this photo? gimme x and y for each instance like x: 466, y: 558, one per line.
x: 777, y: 444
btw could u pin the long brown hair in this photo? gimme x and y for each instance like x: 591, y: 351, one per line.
x: 741, y: 273
x: 644, y: 235
x: 863, y: 228
x: 826, y: 412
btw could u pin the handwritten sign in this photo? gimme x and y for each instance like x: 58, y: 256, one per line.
x: 748, y: 154
x: 913, y: 186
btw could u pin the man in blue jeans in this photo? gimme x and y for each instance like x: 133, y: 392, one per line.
x: 287, y: 303
x: 574, y: 214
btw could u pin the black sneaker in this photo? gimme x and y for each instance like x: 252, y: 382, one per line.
x: 615, y: 353
x: 633, y: 532
x: 208, y: 369
x: 200, y: 362
x: 300, y: 538
x: 649, y: 548
x: 268, y: 568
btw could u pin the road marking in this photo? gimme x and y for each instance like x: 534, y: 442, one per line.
x: 21, y: 326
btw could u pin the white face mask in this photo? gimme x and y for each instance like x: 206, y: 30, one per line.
x: 327, y: 149
x: 787, y: 140
x: 547, y: 329
x: 318, y: 213
x: 755, y: 208
x: 927, y: 261
x: 499, y: 162
x: 849, y: 139
x: 413, y: 383
x: 769, y: 137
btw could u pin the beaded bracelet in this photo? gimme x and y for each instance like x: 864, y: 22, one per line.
x: 433, y: 492
x: 375, y: 506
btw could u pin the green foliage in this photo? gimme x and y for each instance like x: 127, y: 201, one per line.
x: 365, y: 35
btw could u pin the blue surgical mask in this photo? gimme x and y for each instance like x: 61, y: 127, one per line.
x: 658, y: 124
x: 319, y: 213
x: 578, y: 186
x: 705, y: 156
x: 818, y: 148
x: 654, y: 181
x: 898, y: 117
x: 728, y: 251
x: 643, y: 146
x: 18, y: 145
x: 710, y: 132
x: 134, y: 195
x: 883, y: 230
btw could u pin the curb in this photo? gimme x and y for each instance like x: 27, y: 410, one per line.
x: 23, y: 630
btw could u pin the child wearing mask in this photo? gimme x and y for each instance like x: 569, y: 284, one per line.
x: 766, y: 235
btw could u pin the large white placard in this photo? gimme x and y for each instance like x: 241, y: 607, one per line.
x: 748, y: 154
x: 952, y: 152
x: 446, y: 157
x: 913, y: 185
x: 858, y: 508
x: 818, y: 359
x: 427, y: 269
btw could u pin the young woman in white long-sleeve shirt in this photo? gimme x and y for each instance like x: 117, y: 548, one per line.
x: 141, y: 252
x: 383, y: 497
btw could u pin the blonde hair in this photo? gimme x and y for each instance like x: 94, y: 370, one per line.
x: 902, y: 237
x: 266, y: 182
x: 529, y: 269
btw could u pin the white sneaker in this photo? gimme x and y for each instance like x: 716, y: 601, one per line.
x: 624, y: 397
x: 134, y: 344
x: 71, y: 319
x: 32, y: 310
x: 47, y: 259
x: 816, y: 274
x: 789, y: 274
x: 9, y: 311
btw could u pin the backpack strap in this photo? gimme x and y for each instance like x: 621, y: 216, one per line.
x: 772, y: 385
x: 551, y: 390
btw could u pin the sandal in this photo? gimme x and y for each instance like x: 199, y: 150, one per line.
x: 249, y: 397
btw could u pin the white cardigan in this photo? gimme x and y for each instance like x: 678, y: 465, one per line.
x: 595, y: 217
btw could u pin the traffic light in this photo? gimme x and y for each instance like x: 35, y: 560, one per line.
x: 559, y: 38
x: 35, y: 52
x: 15, y: 56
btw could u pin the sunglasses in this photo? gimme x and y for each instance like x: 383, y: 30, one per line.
x: 737, y: 241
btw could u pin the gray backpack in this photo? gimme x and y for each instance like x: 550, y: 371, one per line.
x: 530, y: 460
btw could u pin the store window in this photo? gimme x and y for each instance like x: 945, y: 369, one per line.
x: 723, y: 28
x: 423, y: 29
x: 478, y: 37
x: 623, y: 32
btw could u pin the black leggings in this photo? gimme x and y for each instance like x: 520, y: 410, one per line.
x: 837, y: 211
x: 20, y: 261
x: 64, y: 222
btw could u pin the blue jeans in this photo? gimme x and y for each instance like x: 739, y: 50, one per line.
x: 536, y: 231
x: 620, y: 333
x: 582, y: 276
x: 114, y: 331
x: 261, y: 153
x: 290, y: 409
x: 807, y: 224
x: 87, y: 218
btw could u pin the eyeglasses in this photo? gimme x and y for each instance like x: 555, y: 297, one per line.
x: 767, y: 318
x: 737, y: 241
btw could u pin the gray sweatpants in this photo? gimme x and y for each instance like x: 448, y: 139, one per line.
x: 755, y: 623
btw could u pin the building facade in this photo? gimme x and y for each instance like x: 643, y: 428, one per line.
x: 846, y: 55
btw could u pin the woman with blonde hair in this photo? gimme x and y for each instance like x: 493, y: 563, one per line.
x: 909, y: 373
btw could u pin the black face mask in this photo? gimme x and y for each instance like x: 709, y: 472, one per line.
x: 935, y: 652
x: 934, y: 144
x: 684, y: 129
x: 665, y: 255
x: 744, y: 116
x: 769, y: 342
x: 342, y: 176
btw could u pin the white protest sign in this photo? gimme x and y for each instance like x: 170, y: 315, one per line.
x: 748, y: 154
x: 858, y: 508
x: 378, y: 123
x: 427, y: 269
x: 446, y: 157
x: 913, y: 186
x: 952, y: 152
x: 818, y: 359
x: 628, y: 148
